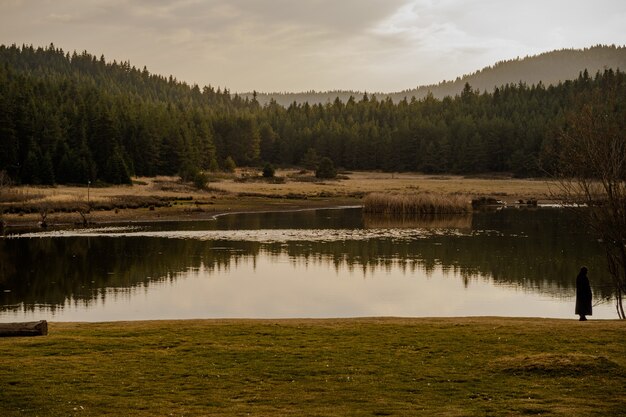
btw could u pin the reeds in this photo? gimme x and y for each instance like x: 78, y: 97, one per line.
x: 17, y: 195
x: 415, y: 204
x: 111, y: 203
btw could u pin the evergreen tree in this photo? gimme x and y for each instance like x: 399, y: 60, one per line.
x: 230, y: 165
x: 73, y: 118
x: 326, y: 169
x: 46, y: 170
x: 310, y: 160
x: 116, y: 170
x: 31, y: 169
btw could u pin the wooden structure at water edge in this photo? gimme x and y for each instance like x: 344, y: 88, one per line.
x: 33, y: 328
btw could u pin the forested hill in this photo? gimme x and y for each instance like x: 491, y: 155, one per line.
x: 549, y: 68
x: 74, y: 118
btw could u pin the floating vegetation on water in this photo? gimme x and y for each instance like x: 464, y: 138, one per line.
x: 258, y: 235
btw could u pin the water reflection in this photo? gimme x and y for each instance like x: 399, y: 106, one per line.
x: 303, y: 264
x: 461, y: 222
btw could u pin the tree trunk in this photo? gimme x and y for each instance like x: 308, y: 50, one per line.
x: 33, y: 328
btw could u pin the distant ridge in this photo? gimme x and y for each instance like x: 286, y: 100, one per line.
x: 549, y: 68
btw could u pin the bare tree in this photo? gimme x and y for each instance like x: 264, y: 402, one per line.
x: 83, y: 209
x: 592, y: 164
x: 43, y: 215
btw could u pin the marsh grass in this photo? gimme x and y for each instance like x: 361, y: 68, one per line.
x: 17, y: 195
x: 352, y: 367
x: 228, y: 195
x: 80, y: 204
x: 403, y: 204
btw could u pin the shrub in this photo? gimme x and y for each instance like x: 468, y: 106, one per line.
x: 200, y: 180
x: 326, y: 169
x: 268, y: 171
x: 191, y: 173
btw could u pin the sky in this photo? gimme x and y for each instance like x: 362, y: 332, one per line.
x: 302, y: 45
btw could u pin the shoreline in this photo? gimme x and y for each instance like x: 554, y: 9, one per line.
x: 134, y: 216
x: 167, y: 199
x: 321, y: 321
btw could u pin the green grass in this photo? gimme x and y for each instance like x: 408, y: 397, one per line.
x: 360, y: 367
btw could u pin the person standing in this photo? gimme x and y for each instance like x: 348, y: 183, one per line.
x: 583, y: 295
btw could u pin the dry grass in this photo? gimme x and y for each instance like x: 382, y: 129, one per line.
x: 226, y: 194
x: 357, y: 183
x: 415, y: 204
x: 17, y: 195
x: 361, y: 183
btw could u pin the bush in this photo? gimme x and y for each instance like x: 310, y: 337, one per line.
x: 268, y: 171
x: 191, y: 173
x: 200, y: 180
x: 326, y: 169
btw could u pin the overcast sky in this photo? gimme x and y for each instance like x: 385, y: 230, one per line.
x: 298, y: 45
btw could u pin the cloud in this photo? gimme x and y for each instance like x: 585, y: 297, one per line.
x: 63, y: 18
x: 271, y: 45
x: 462, y: 37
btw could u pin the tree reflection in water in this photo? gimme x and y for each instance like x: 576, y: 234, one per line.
x: 535, y: 250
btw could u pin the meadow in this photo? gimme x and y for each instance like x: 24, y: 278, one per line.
x: 349, y: 367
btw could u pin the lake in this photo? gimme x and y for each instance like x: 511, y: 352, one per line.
x: 305, y: 264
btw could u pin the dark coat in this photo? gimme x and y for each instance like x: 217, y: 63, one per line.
x: 583, y: 294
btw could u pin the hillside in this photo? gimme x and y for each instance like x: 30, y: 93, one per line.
x: 548, y: 68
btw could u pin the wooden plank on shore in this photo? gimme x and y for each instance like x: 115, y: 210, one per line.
x: 33, y: 328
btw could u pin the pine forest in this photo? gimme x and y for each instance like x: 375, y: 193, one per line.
x: 70, y: 118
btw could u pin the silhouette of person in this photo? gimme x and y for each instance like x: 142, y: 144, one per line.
x: 583, y: 295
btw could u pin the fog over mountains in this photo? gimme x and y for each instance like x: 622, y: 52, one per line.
x: 549, y: 68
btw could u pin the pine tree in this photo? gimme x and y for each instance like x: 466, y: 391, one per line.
x: 326, y: 169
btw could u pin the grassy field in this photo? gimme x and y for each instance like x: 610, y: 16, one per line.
x: 167, y: 198
x: 358, y: 367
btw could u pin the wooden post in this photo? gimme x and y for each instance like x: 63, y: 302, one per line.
x: 33, y: 328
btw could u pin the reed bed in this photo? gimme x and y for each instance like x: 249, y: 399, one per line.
x: 415, y: 204
x: 78, y: 204
x: 17, y: 195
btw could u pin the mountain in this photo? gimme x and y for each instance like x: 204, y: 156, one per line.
x: 548, y: 68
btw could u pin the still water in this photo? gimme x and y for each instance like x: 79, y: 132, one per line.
x: 319, y: 263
